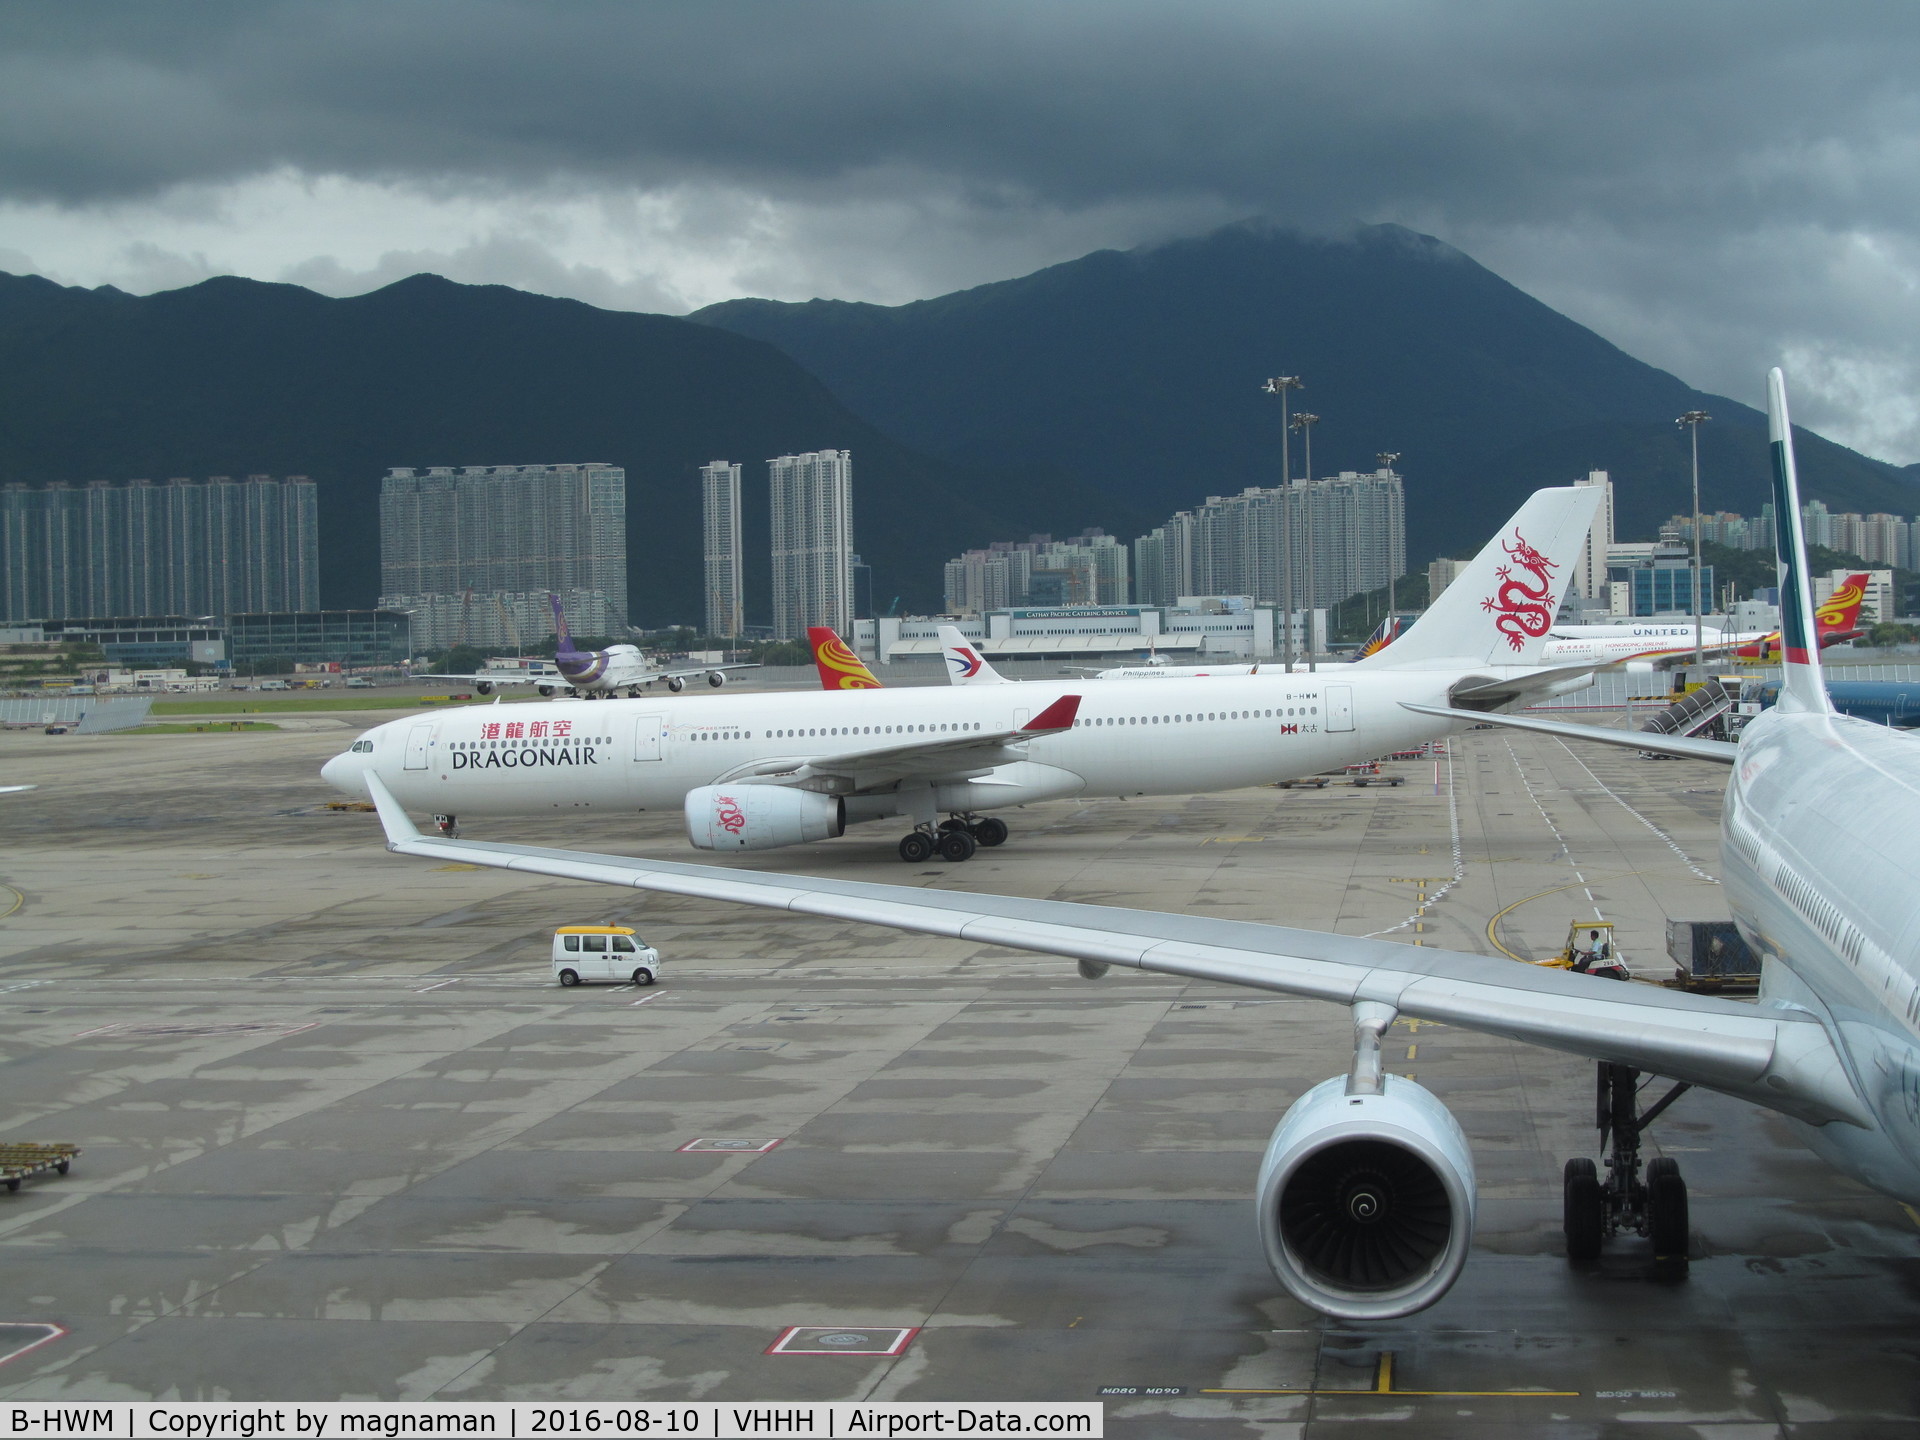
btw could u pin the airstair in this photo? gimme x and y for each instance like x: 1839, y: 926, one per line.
x: 1700, y: 713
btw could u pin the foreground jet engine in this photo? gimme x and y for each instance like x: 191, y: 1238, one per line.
x: 1366, y: 1200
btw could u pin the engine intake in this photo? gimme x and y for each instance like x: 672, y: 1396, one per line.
x: 1367, y: 1201
x: 760, y: 817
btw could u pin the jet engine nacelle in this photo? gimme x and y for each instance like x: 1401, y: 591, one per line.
x: 716, y: 678
x: 1366, y: 1201
x: 760, y: 817
x: 676, y: 684
x: 483, y: 687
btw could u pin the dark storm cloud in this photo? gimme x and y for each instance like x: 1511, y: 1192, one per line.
x: 1483, y: 112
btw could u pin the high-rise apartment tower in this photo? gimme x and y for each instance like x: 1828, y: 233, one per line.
x: 812, y: 512
x: 720, y: 510
x: 222, y: 547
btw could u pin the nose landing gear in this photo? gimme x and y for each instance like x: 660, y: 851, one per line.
x: 1594, y: 1210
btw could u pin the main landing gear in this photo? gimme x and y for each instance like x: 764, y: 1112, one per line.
x: 1624, y: 1203
x: 955, y: 840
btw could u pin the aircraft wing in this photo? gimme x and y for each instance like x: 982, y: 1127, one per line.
x: 1780, y: 1058
x: 1520, y: 683
x: 690, y: 672
x: 1683, y: 747
x: 929, y: 757
x: 500, y: 679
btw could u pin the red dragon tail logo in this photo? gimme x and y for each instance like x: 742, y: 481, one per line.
x: 1522, y: 601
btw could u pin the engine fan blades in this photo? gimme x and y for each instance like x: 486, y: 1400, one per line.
x: 1365, y: 1215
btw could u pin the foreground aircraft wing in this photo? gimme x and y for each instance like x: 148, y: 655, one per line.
x: 931, y: 755
x: 1680, y: 746
x: 1779, y: 1058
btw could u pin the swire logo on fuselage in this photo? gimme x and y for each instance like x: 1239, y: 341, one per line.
x: 728, y: 812
x: 522, y: 759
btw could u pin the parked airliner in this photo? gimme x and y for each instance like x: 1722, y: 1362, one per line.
x: 1667, y: 642
x: 1365, y: 1200
x: 758, y: 771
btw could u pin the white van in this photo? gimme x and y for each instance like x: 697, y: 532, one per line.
x: 603, y: 952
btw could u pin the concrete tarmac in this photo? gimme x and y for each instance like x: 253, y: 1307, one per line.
x: 345, y: 1137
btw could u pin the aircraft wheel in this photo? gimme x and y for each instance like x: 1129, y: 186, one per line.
x: 991, y: 831
x: 1583, y: 1210
x: 916, y: 847
x: 957, y: 845
x: 643, y: 976
x: 569, y: 977
x: 1666, y: 1209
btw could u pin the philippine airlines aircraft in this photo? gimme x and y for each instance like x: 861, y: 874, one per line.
x: 1366, y: 1197
x: 754, y: 772
x: 596, y: 674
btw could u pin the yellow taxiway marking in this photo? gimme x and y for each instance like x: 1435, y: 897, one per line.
x: 1493, y: 939
x: 1912, y: 1214
x: 460, y: 867
x: 18, y: 901
x: 1411, y: 1051
x: 1383, y: 1385
x: 1234, y: 840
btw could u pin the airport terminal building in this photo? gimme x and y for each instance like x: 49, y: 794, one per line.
x: 1194, y: 627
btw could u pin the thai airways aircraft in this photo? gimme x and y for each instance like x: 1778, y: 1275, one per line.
x: 600, y: 674
x: 754, y: 772
x: 1365, y: 1200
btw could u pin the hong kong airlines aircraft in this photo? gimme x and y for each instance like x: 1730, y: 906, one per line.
x: 1658, y: 642
x: 1365, y: 1201
x: 758, y: 771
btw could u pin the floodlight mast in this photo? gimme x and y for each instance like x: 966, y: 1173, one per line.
x: 1386, y: 459
x: 1304, y: 423
x: 1280, y: 385
x: 1693, y: 420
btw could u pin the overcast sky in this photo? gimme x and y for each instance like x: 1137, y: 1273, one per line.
x: 1715, y: 187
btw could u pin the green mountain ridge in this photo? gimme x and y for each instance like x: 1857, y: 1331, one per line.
x: 1139, y: 372
x: 237, y: 376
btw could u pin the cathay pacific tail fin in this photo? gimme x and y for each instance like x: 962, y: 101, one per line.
x: 1801, y: 685
x: 1498, y: 610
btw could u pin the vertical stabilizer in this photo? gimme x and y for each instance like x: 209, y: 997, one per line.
x: 1499, y: 609
x: 1801, y: 685
x: 965, y: 664
x: 562, y: 638
x: 839, y: 667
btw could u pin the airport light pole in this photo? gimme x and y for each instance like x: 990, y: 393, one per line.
x: 1693, y: 420
x: 1386, y: 459
x: 1280, y: 385
x: 1304, y: 423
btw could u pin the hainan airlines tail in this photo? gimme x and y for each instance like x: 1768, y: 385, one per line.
x: 839, y: 667
x: 1500, y: 608
x: 1835, y: 619
x: 1801, y: 687
x: 965, y: 664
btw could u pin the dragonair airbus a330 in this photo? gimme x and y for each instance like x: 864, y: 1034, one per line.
x: 1365, y: 1200
x: 754, y: 772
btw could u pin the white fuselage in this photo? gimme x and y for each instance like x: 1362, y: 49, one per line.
x: 1166, y: 737
x: 1821, y: 864
x: 1650, y: 640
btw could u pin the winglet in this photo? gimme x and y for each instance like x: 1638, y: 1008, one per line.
x: 393, y: 819
x: 1058, y: 716
x: 839, y: 667
x: 1801, y: 687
